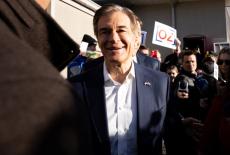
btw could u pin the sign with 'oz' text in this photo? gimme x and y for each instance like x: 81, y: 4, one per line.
x: 164, y: 35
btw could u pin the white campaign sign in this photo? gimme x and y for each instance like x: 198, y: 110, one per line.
x: 164, y: 35
x: 216, y: 71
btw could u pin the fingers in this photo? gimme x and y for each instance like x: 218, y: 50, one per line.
x: 182, y: 95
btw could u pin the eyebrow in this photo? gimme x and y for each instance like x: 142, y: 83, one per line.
x: 122, y: 26
x: 103, y: 29
x: 107, y: 28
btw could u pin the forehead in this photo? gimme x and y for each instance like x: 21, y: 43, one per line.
x: 224, y: 56
x: 114, y: 19
x: 189, y: 57
x: 172, y: 70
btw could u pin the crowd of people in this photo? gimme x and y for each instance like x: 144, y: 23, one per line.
x: 126, y: 102
x: 195, y: 117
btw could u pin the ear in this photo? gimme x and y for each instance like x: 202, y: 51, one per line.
x: 137, y: 42
x: 136, y: 45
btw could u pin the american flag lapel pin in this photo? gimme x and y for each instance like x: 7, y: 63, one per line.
x: 147, y: 83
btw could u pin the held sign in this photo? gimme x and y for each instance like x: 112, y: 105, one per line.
x: 164, y: 35
x: 216, y: 71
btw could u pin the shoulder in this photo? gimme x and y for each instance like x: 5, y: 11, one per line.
x: 150, y: 73
x: 153, y: 60
x: 93, y: 63
x: 145, y: 57
x: 91, y: 75
x: 77, y: 78
x: 83, y: 81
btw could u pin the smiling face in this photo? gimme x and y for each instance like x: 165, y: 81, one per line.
x: 116, y: 39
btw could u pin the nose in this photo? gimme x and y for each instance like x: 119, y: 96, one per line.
x: 114, y: 37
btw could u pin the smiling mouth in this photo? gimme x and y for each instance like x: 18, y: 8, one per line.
x: 115, y: 49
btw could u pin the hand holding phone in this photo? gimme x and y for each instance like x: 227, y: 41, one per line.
x: 183, y: 86
x: 183, y: 92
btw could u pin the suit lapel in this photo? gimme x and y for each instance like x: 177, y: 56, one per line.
x: 96, y: 99
x: 145, y: 96
x: 140, y: 58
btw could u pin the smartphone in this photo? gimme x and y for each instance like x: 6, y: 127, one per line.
x: 183, y: 86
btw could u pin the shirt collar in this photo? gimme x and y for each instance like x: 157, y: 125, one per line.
x: 107, y: 76
x: 135, y: 58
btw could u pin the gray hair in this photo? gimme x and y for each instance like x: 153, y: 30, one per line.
x: 111, y: 8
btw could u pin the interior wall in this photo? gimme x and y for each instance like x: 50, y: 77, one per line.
x: 198, y: 17
x: 149, y: 14
x: 74, y: 17
x: 204, y: 18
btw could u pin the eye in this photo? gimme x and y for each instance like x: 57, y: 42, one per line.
x: 122, y: 30
x: 104, y: 31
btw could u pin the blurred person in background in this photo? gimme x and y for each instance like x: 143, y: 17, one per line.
x: 156, y: 55
x: 184, y: 128
x: 144, y: 50
x: 208, y: 63
x: 208, y: 66
x: 223, y: 62
x: 91, y: 51
x: 141, y: 56
x: 217, y: 125
x: 172, y: 59
x: 76, y: 66
x: 172, y: 71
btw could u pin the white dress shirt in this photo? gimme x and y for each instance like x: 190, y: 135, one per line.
x: 121, y: 106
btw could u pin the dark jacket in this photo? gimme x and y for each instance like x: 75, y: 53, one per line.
x: 148, y: 61
x: 38, y: 113
x: 171, y: 59
x: 178, y: 136
x: 31, y: 24
x: 151, y: 107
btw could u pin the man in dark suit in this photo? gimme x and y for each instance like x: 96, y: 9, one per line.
x: 38, y: 107
x: 126, y: 101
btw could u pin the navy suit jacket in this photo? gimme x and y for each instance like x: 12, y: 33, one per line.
x: 151, y: 106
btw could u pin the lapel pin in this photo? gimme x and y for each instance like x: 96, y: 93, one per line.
x: 147, y: 83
